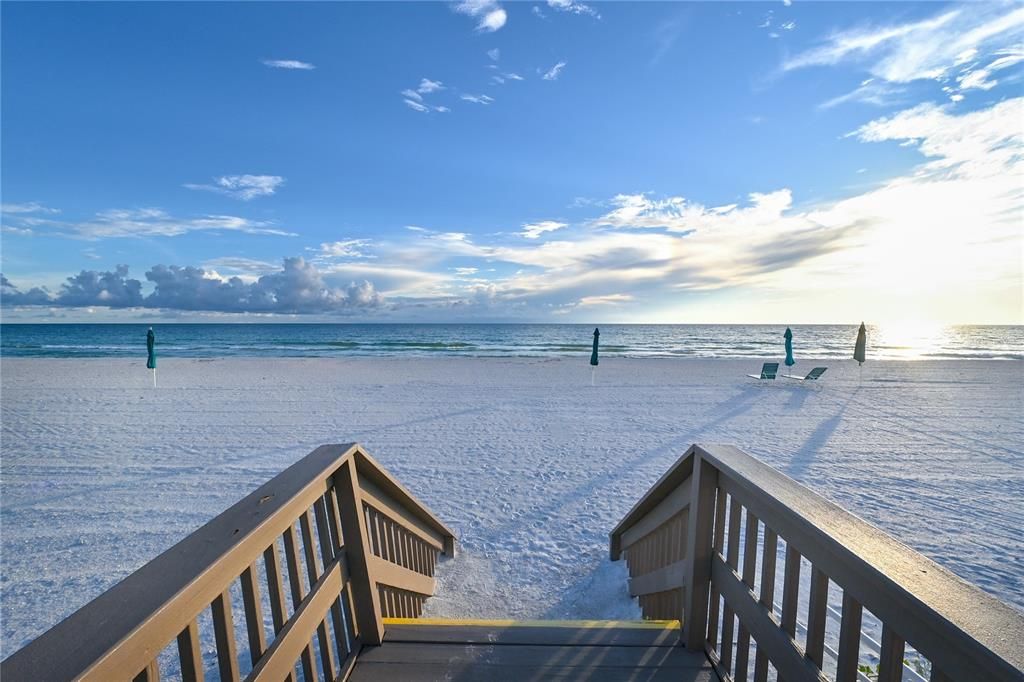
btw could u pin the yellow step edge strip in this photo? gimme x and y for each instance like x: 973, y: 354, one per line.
x: 579, y: 624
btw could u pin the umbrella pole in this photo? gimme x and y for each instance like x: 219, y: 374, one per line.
x: 593, y: 372
x: 154, y: 377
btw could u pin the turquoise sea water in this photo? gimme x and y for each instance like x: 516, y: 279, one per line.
x: 508, y: 340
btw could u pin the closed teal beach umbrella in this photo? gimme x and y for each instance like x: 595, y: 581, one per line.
x: 862, y: 342
x: 593, y: 355
x: 789, y: 348
x: 151, y: 349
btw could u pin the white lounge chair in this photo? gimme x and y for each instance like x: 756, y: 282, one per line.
x: 811, y: 376
x: 769, y: 371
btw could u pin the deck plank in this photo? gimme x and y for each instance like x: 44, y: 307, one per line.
x: 460, y: 671
x: 503, y: 650
x: 534, y: 634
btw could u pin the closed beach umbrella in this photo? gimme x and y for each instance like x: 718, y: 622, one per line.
x: 862, y: 342
x: 151, y: 350
x: 789, y: 348
x: 593, y: 356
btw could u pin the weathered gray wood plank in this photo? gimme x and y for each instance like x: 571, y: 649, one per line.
x: 501, y: 654
x: 405, y: 672
x: 525, y: 634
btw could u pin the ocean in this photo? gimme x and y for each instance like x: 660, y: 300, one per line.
x: 507, y: 340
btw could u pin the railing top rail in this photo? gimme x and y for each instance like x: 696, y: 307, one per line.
x: 368, y: 467
x: 955, y: 620
x: 676, y: 475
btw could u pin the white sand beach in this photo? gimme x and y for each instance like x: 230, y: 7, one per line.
x: 529, y: 463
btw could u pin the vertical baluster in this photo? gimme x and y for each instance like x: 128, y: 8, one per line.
x: 890, y: 665
x: 275, y: 586
x: 253, y: 604
x: 815, y: 643
x: 313, y: 571
x: 749, y: 570
x: 189, y: 654
x: 328, y: 553
x: 732, y: 556
x: 849, y: 639
x: 151, y: 673
x: 334, y: 520
x: 790, y: 590
x: 291, y: 554
x: 718, y: 542
x: 224, y: 633
x: 767, y: 600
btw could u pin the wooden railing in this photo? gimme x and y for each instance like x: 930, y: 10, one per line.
x: 683, y: 543
x: 357, y: 547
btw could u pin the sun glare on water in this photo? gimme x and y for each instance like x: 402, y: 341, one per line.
x: 909, y: 340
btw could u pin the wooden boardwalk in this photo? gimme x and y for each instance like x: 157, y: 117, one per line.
x: 419, y: 650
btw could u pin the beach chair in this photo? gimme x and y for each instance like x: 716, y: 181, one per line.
x: 811, y: 376
x: 769, y: 371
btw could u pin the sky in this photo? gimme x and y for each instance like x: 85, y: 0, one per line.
x: 552, y: 161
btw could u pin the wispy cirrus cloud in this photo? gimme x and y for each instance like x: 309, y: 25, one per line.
x: 870, y: 91
x: 961, y: 46
x: 489, y: 14
x: 535, y: 230
x: 573, y: 7
x: 428, y: 86
x: 244, y: 187
x: 29, y: 207
x: 476, y: 99
x: 553, y: 73
x: 290, y: 64
x: 345, y: 248
x: 148, y: 222
x: 415, y: 100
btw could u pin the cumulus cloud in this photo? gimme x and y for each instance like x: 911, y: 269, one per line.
x: 489, y: 14
x: 10, y: 295
x: 244, y: 187
x: 292, y: 64
x: 297, y: 288
x: 535, y: 230
x: 553, y: 73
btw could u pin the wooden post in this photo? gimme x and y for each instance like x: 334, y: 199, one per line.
x: 366, y: 601
x: 704, y: 481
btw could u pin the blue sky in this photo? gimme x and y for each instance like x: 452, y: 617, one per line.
x: 545, y: 161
